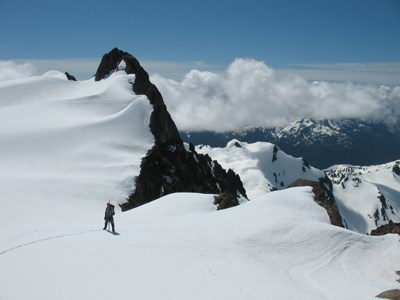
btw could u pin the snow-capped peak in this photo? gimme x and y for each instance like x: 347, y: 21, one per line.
x: 308, y: 128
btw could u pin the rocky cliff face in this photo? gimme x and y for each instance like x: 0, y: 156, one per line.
x: 169, y: 166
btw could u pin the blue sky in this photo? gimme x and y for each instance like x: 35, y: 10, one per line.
x: 273, y: 60
x: 307, y: 34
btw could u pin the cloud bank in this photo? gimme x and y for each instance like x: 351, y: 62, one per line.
x: 250, y: 93
x: 10, y: 70
x: 247, y: 93
x: 85, y: 68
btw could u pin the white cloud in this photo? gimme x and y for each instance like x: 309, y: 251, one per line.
x: 250, y: 93
x: 176, y: 70
x: 85, y: 68
x: 10, y: 70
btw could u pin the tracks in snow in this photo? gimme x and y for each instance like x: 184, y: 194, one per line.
x: 46, y: 239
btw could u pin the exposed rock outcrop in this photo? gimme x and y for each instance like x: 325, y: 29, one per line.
x: 323, y: 197
x: 161, y: 124
x: 225, y: 200
x: 168, y: 167
x: 396, y: 168
x: 391, y: 294
x: 391, y: 227
x: 70, y: 77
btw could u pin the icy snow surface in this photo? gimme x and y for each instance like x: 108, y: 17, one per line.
x: 69, y: 147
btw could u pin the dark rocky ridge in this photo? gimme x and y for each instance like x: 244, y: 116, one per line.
x: 391, y: 227
x: 168, y: 167
x: 323, y: 197
x: 396, y: 168
x: 70, y: 77
x: 225, y: 200
x: 391, y: 294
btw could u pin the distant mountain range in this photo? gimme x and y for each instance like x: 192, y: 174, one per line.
x: 365, y: 197
x: 322, y: 143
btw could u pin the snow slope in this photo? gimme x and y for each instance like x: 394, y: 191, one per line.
x: 261, y: 165
x: 367, y: 196
x: 69, y: 147
x: 180, y: 247
x: 69, y: 142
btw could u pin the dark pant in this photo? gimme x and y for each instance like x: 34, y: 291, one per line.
x: 111, y: 220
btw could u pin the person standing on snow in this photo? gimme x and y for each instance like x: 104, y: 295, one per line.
x: 109, y: 216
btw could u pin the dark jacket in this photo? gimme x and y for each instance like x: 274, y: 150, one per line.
x: 109, y: 212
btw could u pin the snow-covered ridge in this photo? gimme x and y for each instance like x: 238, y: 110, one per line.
x: 261, y: 166
x: 368, y: 196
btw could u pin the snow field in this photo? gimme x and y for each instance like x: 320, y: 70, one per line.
x: 61, y: 132
x: 278, y: 246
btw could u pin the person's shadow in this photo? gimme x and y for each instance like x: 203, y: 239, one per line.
x: 113, y: 232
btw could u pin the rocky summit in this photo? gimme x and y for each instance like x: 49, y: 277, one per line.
x: 168, y: 166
